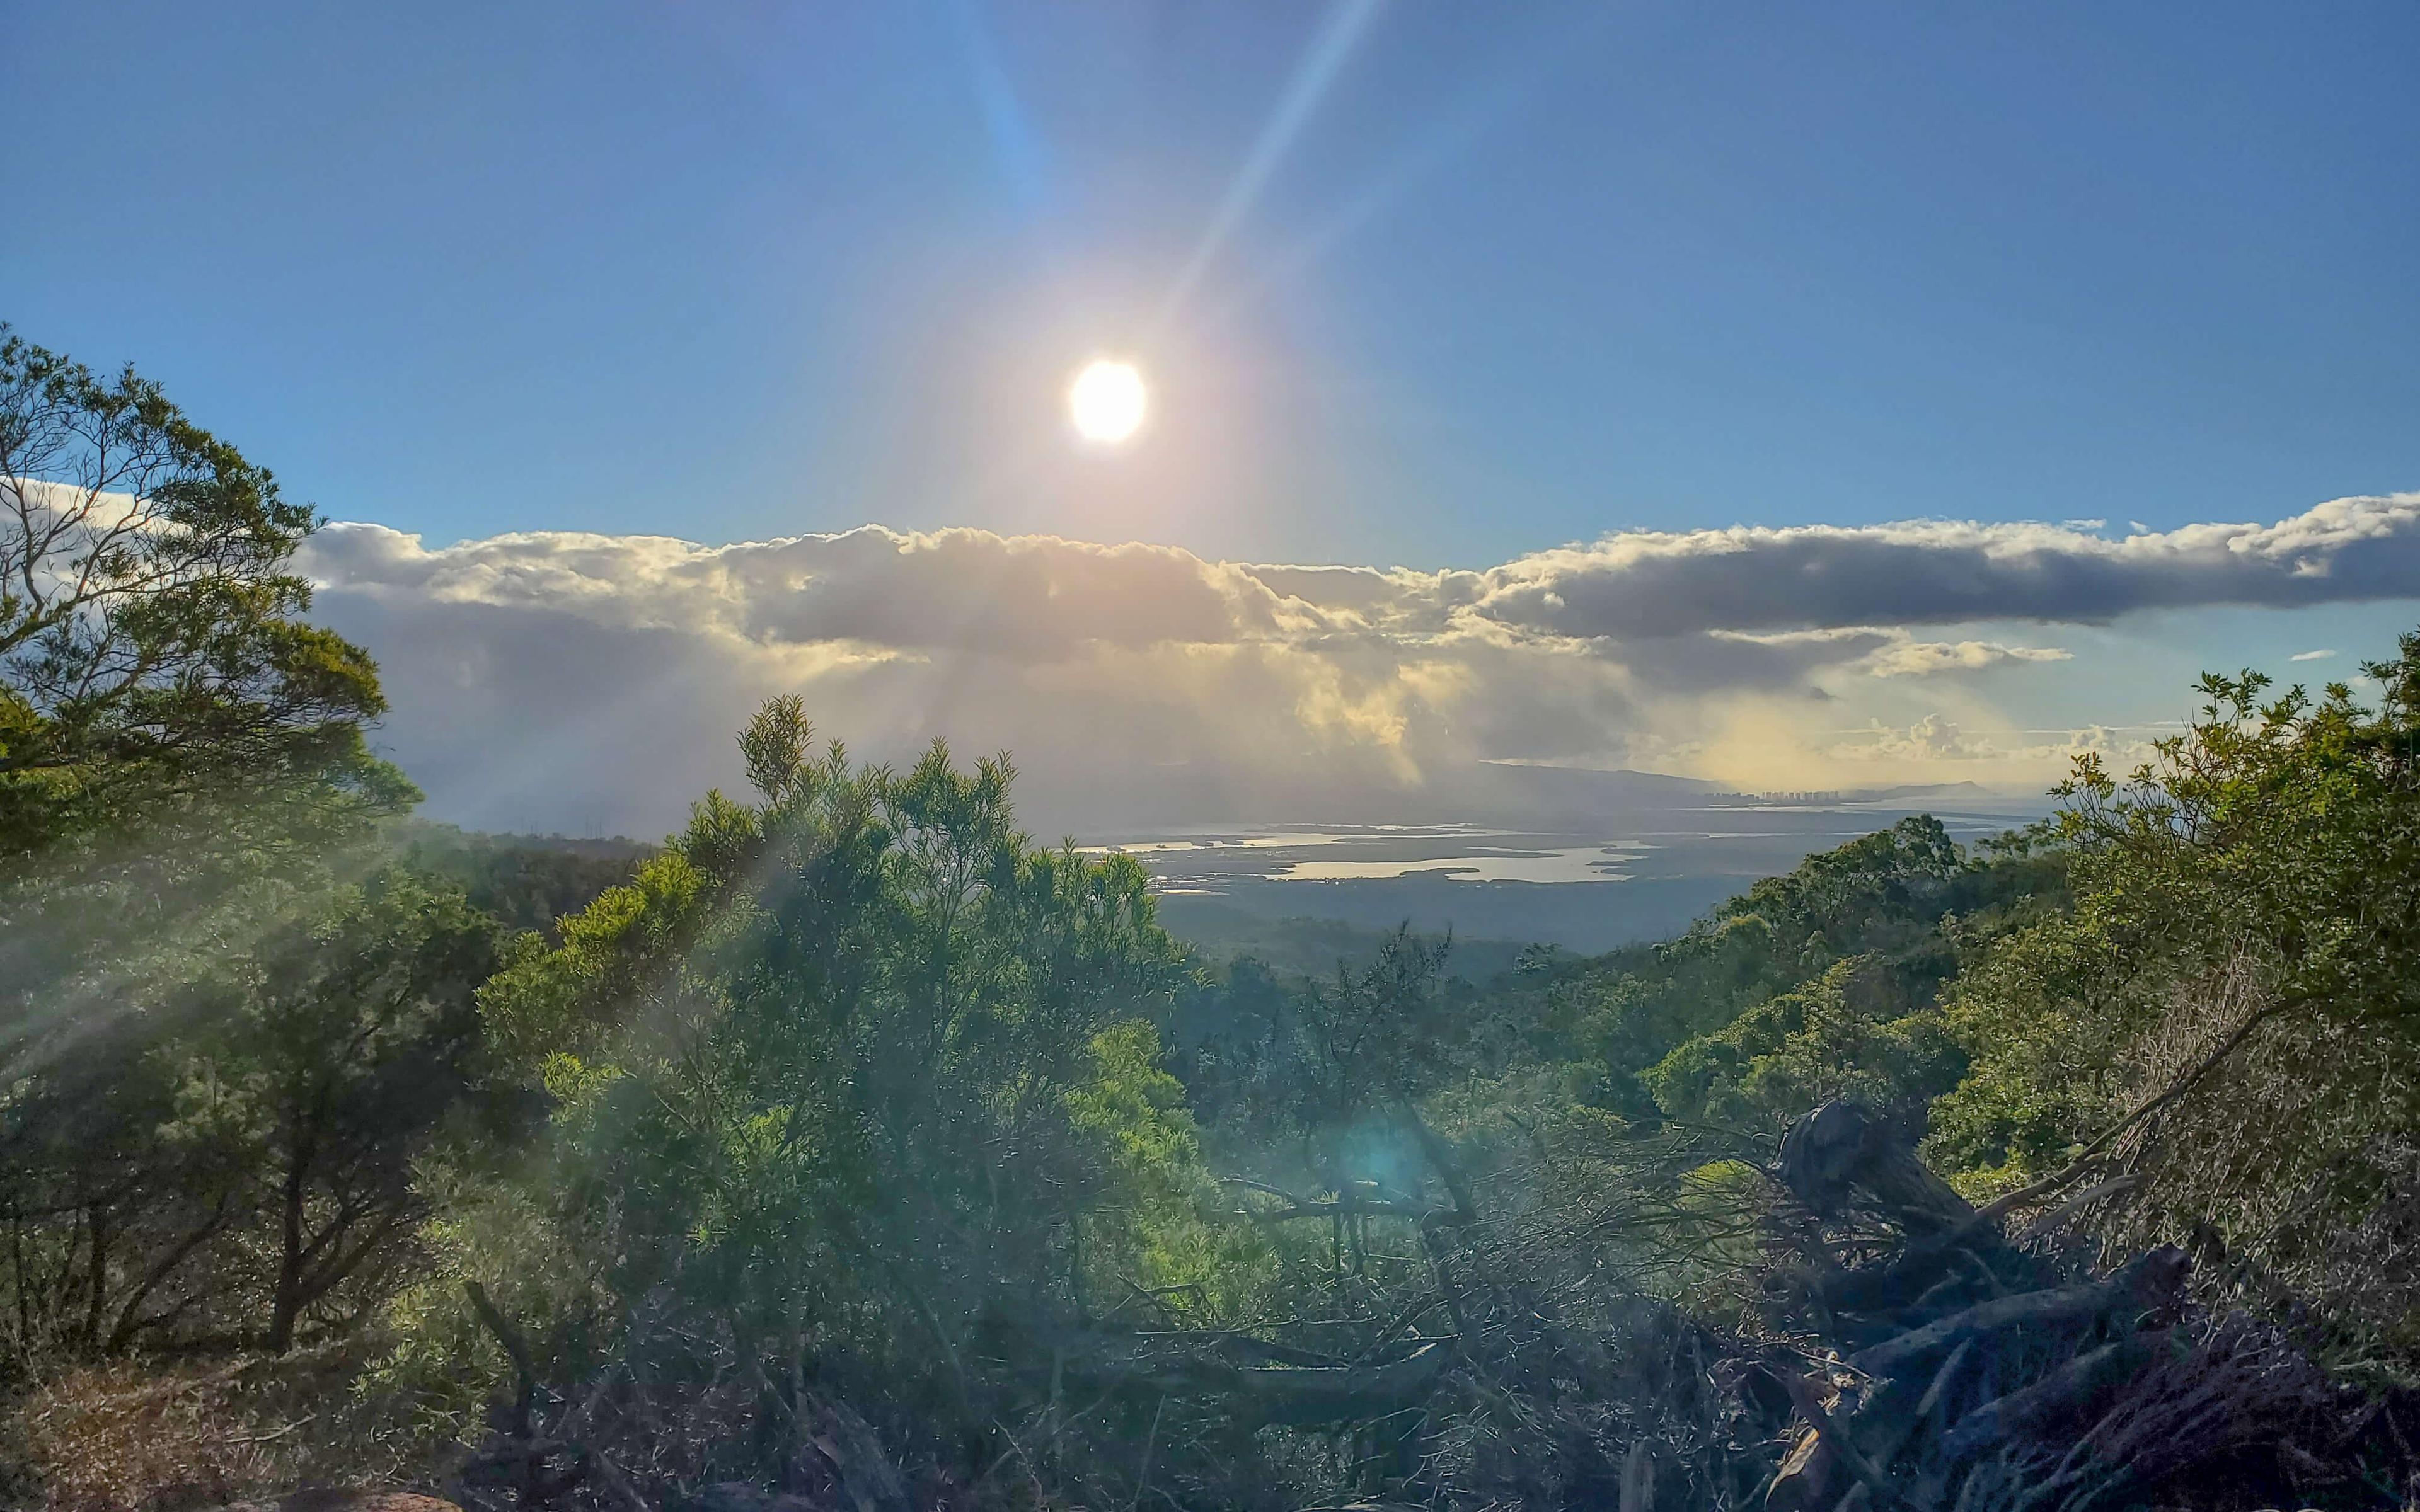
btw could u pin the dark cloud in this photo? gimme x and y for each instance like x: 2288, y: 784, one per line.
x: 1644, y: 587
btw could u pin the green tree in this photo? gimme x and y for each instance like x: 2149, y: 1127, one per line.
x: 332, y: 1054
x: 179, y: 751
x: 1350, y: 1057
x: 2232, y: 1012
x: 237, y: 1162
x: 151, y: 649
x: 854, y: 1067
x: 1850, y: 1033
x: 1904, y: 899
x: 184, y: 785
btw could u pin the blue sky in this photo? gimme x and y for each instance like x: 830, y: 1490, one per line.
x: 1523, y: 274
x: 1417, y: 285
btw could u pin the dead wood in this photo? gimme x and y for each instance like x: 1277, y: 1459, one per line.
x: 2067, y: 1391
x: 2146, y: 1284
x: 1838, y: 1153
x: 1809, y: 1396
x: 1957, y: 1370
x: 867, y: 1476
x: 1255, y: 1378
x: 2044, y: 1387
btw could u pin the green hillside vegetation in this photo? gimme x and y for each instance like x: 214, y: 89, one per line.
x: 1307, y: 947
x: 851, y: 1146
x: 523, y: 882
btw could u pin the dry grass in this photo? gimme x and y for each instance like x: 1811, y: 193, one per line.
x: 2292, y: 1166
x: 132, y: 1437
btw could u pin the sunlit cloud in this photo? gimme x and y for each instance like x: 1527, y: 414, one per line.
x: 1938, y: 737
x: 543, y: 674
x: 1924, y: 659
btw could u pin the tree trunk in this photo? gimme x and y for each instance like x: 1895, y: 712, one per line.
x: 130, y: 1315
x: 286, y: 1307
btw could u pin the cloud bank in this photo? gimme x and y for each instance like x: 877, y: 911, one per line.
x: 576, y: 681
x: 1936, y: 571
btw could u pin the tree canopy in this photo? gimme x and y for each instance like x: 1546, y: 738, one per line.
x: 152, y: 649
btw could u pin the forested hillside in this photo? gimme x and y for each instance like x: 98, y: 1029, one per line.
x: 854, y: 1149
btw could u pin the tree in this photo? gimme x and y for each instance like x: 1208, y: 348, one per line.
x: 236, y: 1161
x: 1903, y: 898
x: 855, y: 1066
x: 184, y: 782
x: 151, y: 649
x: 178, y: 751
x: 1350, y: 1057
x: 1849, y: 1034
x: 331, y: 1054
x: 2233, y: 1009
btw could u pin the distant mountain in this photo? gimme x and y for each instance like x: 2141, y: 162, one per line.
x: 1621, y: 785
x: 1521, y: 795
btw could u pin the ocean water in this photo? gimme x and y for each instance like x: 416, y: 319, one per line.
x: 1637, y: 876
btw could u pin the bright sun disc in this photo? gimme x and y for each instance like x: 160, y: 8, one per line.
x: 1106, y: 402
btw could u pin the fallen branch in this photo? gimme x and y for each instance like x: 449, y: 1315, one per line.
x: 2146, y: 1282
x: 1828, y: 1430
x: 272, y: 1434
x: 2067, y: 1389
x: 2085, y: 1158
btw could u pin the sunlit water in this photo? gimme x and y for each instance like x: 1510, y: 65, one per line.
x: 1217, y: 860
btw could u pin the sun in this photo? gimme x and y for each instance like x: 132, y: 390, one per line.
x: 1107, y: 402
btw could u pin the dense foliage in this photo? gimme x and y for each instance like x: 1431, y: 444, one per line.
x: 223, y: 1033
x: 851, y: 1066
x: 2232, y: 1003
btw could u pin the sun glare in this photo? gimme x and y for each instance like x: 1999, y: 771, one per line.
x: 1106, y: 402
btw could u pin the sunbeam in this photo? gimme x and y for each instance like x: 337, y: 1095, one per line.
x: 1447, y: 139
x: 1023, y: 157
x: 1318, y: 69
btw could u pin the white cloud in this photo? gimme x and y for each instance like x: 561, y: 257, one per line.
x: 1924, y: 659
x: 1936, y: 738
x: 1879, y: 651
x: 576, y: 680
x: 2310, y: 656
